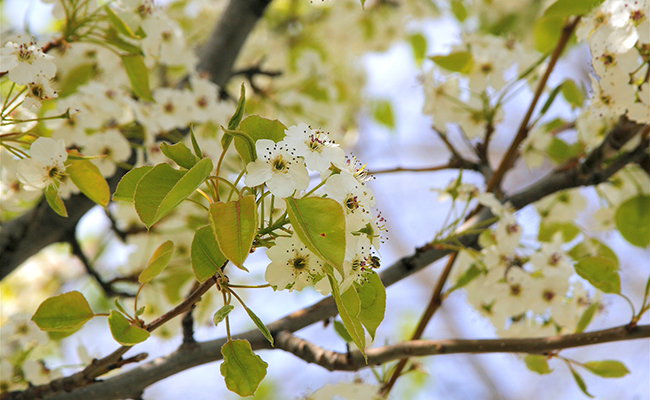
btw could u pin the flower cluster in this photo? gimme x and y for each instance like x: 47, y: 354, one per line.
x: 26, y: 64
x: 618, y: 34
x: 283, y: 168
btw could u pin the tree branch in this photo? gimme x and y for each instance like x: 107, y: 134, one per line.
x: 132, y: 383
x: 354, y: 361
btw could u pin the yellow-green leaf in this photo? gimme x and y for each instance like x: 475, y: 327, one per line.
x: 221, y: 314
x: 234, y: 225
x: 546, y: 33
x: 55, y: 202
x: 320, y: 224
x: 126, y: 188
x: 159, y: 260
x: 632, y: 220
x: 163, y: 188
x: 205, y: 254
x: 259, y: 324
x: 119, y: 23
x: 258, y: 128
x: 458, y: 61
x: 548, y: 230
x: 372, y: 295
x: 349, y: 307
x: 565, y: 8
x: 586, y: 317
x: 382, y: 110
x: 124, y: 332
x: 180, y: 154
x: 138, y: 75
x: 419, y: 46
x: 572, y: 93
x: 537, y: 363
x: 579, y: 381
x: 86, y: 176
x: 242, y: 369
x: 65, y: 312
x: 607, y: 368
x: 601, y: 272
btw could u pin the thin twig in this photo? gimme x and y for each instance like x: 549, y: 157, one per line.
x: 511, y: 154
x: 78, y: 252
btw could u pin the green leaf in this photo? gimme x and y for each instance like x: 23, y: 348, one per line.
x: 349, y: 307
x: 551, y: 98
x: 320, y: 224
x: 111, y: 37
x: 119, y: 24
x: 86, y: 176
x: 221, y: 314
x: 123, y: 332
x: 138, y: 75
x: 119, y: 306
x: 591, y: 247
x: 469, y: 275
x: 206, y: 257
x: 548, y: 230
x: 236, y: 118
x: 601, y: 272
x: 163, y: 188
x: 126, y: 188
x: 258, y: 128
x: 55, y: 202
x: 195, y: 145
x: 459, y: 61
x: 339, y: 328
x: 235, y: 225
x: 537, y: 363
x: 632, y: 220
x: 65, y: 312
x: 572, y: 93
x: 247, y: 144
x: 259, y: 324
x: 180, y: 154
x: 607, y: 368
x: 158, y: 262
x: 382, y: 111
x: 372, y: 295
x: 586, y: 317
x: 458, y: 9
x: 559, y: 151
x: 242, y: 369
x: 76, y: 76
x: 565, y: 8
x: 579, y: 381
x: 419, y: 46
x: 546, y: 33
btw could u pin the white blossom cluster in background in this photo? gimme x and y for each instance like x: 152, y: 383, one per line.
x: 283, y: 167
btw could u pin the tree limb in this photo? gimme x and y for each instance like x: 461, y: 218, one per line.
x: 354, y: 361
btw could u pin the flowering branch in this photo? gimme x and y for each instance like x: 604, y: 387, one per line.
x: 132, y: 383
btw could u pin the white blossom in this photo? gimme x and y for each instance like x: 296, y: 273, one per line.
x: 25, y: 63
x: 46, y: 165
x: 278, y: 167
x: 315, y: 147
x: 293, y: 266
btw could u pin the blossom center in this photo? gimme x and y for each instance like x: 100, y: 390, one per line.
x: 300, y: 262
